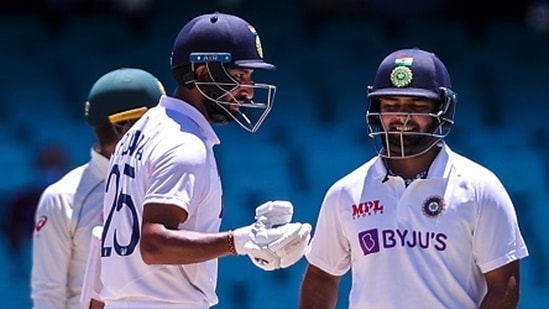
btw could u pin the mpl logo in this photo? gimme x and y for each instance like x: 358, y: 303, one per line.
x: 367, y: 208
x: 372, y: 241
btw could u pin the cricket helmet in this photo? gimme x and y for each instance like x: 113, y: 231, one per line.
x: 221, y: 42
x: 416, y: 73
x: 122, y: 94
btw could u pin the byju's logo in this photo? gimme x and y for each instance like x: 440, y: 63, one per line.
x: 372, y: 241
x: 369, y: 241
x: 367, y: 209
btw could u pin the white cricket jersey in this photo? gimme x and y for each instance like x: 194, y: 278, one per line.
x: 166, y: 157
x: 424, y: 246
x: 66, y: 214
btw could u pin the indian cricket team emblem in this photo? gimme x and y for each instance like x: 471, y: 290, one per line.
x: 257, y: 41
x: 433, y: 206
x: 401, y: 76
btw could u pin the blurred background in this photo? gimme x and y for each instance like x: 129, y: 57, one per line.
x: 326, y: 52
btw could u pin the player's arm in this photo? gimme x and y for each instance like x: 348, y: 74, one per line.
x: 50, y: 266
x: 91, y: 284
x: 319, y: 289
x: 163, y: 243
x: 271, y: 242
x: 503, y: 287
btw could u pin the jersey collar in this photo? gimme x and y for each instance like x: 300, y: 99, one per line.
x: 99, y: 164
x: 439, y: 168
x: 190, y: 111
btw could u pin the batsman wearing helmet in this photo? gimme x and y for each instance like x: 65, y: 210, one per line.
x: 418, y: 225
x: 69, y: 209
x: 163, y: 205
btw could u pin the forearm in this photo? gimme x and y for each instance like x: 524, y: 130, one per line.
x: 164, y: 246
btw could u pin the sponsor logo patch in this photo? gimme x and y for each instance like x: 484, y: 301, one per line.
x: 40, y: 223
x: 367, y: 208
x: 374, y: 240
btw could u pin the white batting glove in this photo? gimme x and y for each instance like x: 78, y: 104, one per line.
x: 274, y: 213
x: 294, y: 251
x: 246, y: 243
x: 244, y: 239
x: 283, y: 246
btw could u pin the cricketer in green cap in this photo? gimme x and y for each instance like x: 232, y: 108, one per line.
x: 123, y: 94
x: 72, y: 207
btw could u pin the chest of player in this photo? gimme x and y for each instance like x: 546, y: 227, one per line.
x: 429, y: 213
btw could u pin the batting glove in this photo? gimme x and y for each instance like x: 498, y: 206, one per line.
x: 282, y: 246
x: 244, y: 239
x: 267, y: 215
x: 274, y: 213
x: 294, y: 251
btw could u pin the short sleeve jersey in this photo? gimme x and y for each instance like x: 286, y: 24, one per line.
x: 66, y: 214
x: 166, y: 157
x: 422, y: 246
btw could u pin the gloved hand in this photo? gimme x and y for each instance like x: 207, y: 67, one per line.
x: 267, y: 215
x: 285, y: 245
x: 274, y: 213
x: 272, y: 241
x: 294, y: 251
x: 244, y: 239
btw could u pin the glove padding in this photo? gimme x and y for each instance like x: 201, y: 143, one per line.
x: 294, y: 251
x: 283, y: 246
x: 272, y: 242
x: 255, y: 237
x: 244, y: 239
x: 274, y: 213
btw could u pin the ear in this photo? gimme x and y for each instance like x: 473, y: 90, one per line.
x: 202, y: 74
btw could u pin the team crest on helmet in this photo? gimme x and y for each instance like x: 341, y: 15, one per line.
x: 401, y: 76
x: 257, y: 41
x: 433, y: 206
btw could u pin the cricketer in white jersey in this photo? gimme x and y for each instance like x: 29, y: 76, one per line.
x: 66, y: 214
x: 418, y: 225
x: 171, y: 149
x: 163, y: 203
x: 434, y: 239
x: 70, y: 208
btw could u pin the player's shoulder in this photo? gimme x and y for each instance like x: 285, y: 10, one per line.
x: 469, y: 167
x: 463, y: 161
x: 181, y: 147
x: 67, y: 183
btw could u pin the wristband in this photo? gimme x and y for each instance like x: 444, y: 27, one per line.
x: 230, y: 241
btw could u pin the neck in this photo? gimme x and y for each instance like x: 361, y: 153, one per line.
x: 193, y: 97
x: 410, y: 167
x: 104, y: 150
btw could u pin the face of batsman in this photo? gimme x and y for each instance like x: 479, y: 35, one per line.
x: 407, y: 123
x: 230, y: 94
x: 406, y: 126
